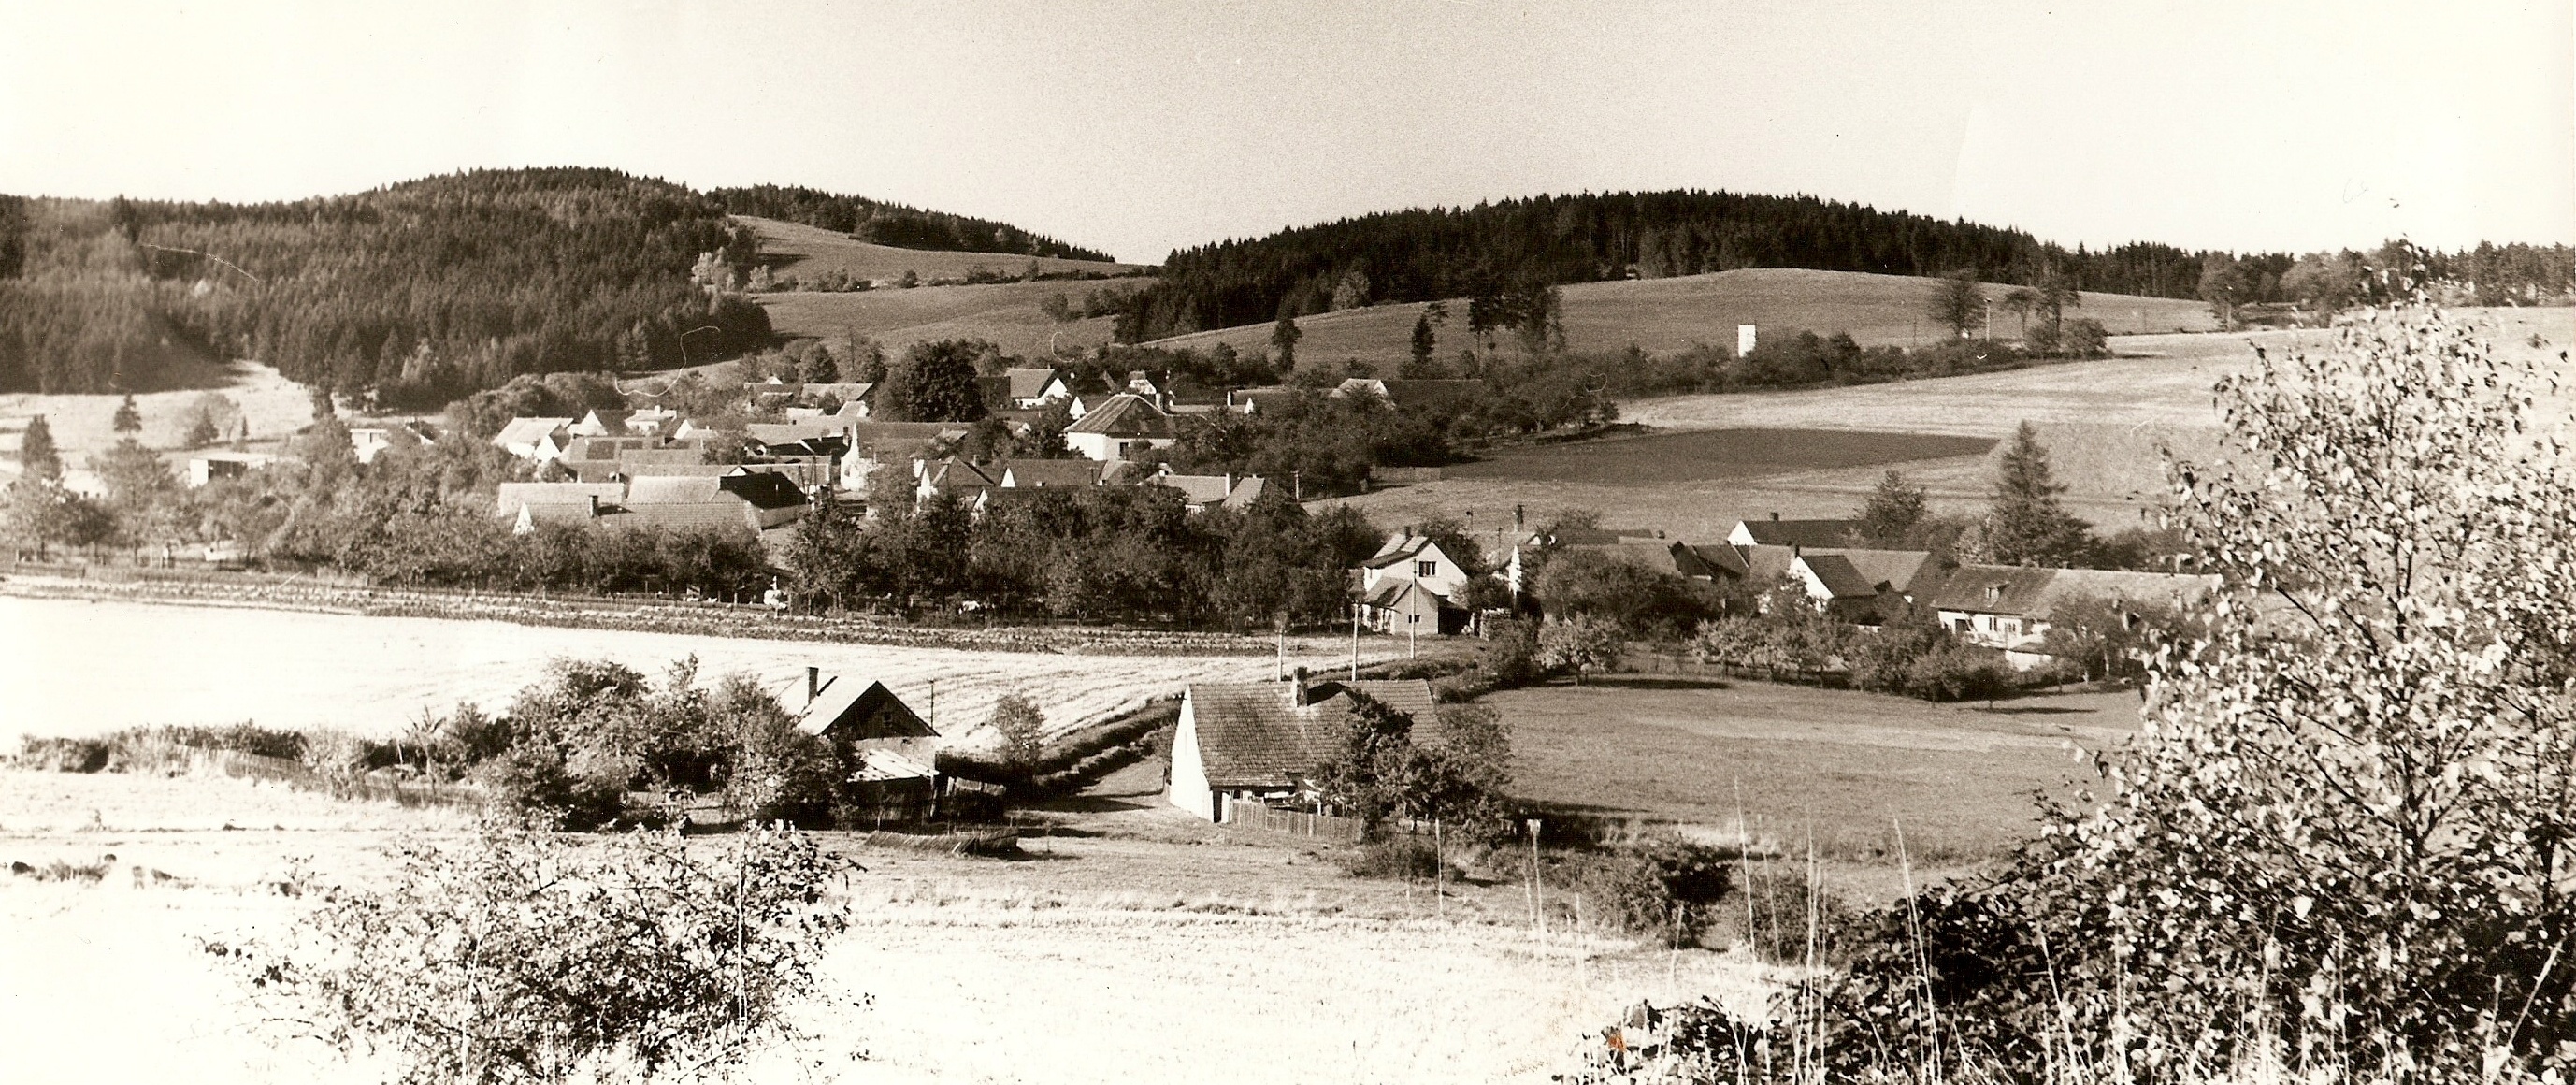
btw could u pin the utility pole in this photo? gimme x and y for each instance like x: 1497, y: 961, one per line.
x: 1355, y: 641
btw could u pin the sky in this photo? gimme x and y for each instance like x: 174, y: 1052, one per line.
x: 1140, y: 127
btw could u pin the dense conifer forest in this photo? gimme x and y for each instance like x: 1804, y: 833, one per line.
x: 893, y: 224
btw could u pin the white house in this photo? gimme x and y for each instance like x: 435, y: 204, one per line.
x: 1260, y: 742
x: 538, y: 439
x: 1119, y: 425
x: 1411, y: 584
x: 2008, y: 607
x: 1812, y: 534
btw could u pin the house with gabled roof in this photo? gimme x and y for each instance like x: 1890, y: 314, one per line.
x: 1122, y: 424
x: 1411, y: 585
x: 1261, y: 742
x: 1047, y: 474
x: 763, y: 499
x: 602, y: 422
x: 538, y: 439
x: 1034, y: 387
x: 1812, y: 534
x: 1213, y: 491
x: 2008, y: 607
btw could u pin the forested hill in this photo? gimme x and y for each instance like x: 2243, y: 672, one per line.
x: 1421, y: 255
x: 1499, y: 249
x: 893, y: 224
x: 422, y: 291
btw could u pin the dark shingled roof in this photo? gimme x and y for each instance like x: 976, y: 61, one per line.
x: 1249, y: 735
x: 1841, y: 579
x: 852, y: 710
x: 1994, y: 589
x: 1806, y: 533
x: 1124, y: 416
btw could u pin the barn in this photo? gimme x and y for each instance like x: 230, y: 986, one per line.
x: 1260, y: 742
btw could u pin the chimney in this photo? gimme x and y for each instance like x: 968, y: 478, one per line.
x: 1775, y: 516
x: 594, y: 506
x: 1297, y: 695
x: 813, y: 683
x: 1793, y: 552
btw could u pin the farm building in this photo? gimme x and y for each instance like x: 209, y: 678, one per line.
x: 2008, y: 607
x: 1260, y: 742
x: 207, y: 467
x: 889, y: 755
x: 538, y: 439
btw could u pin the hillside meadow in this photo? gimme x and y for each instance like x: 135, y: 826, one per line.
x: 1005, y: 313
x: 1665, y: 315
x: 2104, y: 423
x: 84, y: 424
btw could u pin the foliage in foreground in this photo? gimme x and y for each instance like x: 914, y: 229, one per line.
x: 523, y: 957
x: 2339, y: 845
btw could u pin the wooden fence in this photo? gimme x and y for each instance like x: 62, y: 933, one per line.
x: 1252, y: 815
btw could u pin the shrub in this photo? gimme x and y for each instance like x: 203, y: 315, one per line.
x: 1401, y: 857
x: 1958, y: 673
x: 519, y: 957
x: 1659, y: 885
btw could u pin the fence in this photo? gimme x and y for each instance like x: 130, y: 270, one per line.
x: 1658, y: 663
x: 1253, y: 815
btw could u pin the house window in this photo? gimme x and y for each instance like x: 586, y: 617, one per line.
x: 1409, y: 619
x: 1426, y: 568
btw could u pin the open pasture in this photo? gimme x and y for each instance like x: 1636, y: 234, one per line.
x: 1005, y: 313
x: 1666, y: 315
x: 78, y: 667
x: 1842, y: 766
x: 793, y: 248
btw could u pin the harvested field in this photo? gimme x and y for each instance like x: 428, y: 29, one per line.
x: 1106, y: 959
x: 1843, y: 766
x: 81, y: 667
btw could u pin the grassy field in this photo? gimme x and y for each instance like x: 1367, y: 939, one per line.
x: 83, y: 424
x: 86, y: 667
x: 1665, y: 315
x: 793, y: 248
x: 1846, y: 767
x: 1005, y: 313
x: 1100, y: 958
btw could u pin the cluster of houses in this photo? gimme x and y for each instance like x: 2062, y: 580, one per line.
x: 654, y: 466
x: 1412, y: 585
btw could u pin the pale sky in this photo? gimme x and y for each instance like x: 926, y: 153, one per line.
x: 1139, y: 127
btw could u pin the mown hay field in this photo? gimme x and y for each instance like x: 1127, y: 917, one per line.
x: 79, y: 667
x: 85, y: 424
x: 1006, y: 314
x: 1666, y: 315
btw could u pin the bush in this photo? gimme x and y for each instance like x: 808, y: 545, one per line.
x: 1659, y: 885
x: 518, y: 957
x: 1958, y: 673
x: 1401, y: 857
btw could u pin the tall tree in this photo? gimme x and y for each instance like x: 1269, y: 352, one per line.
x: 128, y: 419
x: 37, y: 456
x: 2223, y: 283
x: 1955, y: 303
x: 1283, y: 341
x: 936, y: 382
x: 2027, y: 526
x: 1892, y: 510
x: 1424, y: 341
